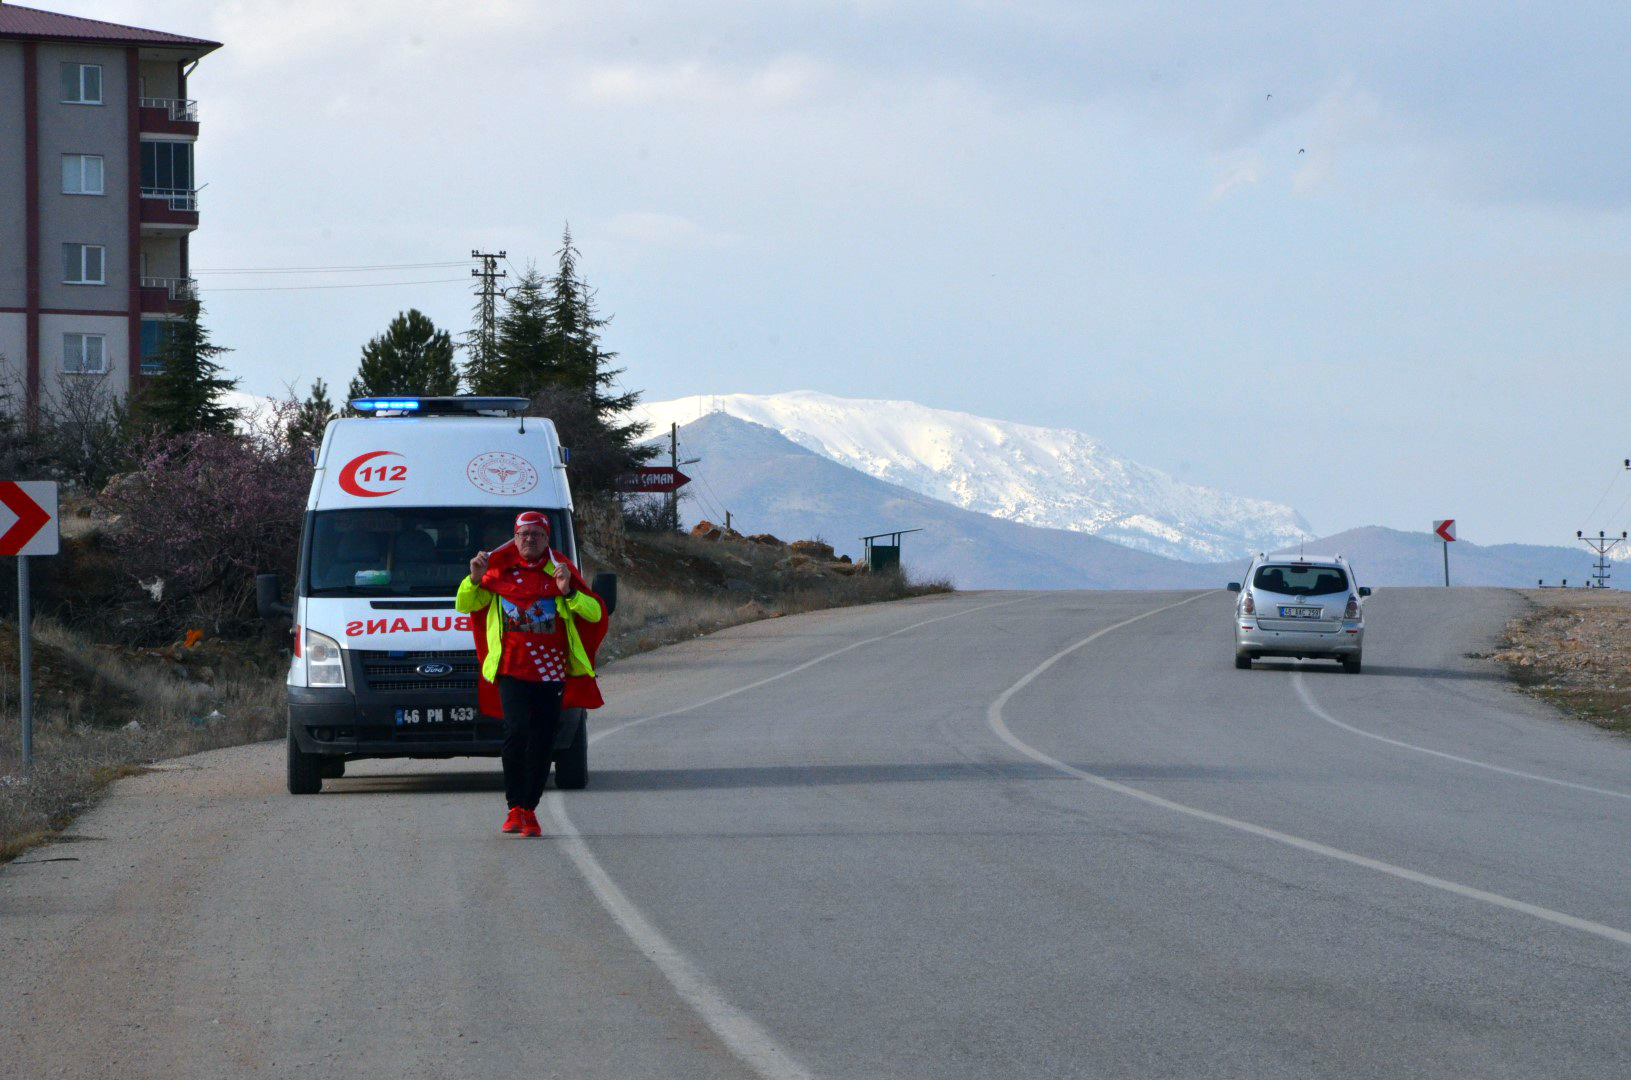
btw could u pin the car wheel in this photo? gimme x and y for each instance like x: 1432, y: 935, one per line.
x: 1244, y: 663
x: 572, y: 762
x: 1350, y: 664
x: 305, y: 770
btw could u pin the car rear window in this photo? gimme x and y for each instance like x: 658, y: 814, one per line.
x: 1300, y: 579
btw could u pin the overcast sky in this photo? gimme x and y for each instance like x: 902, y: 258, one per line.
x: 1372, y: 263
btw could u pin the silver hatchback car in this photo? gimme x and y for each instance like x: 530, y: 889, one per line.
x: 1303, y: 606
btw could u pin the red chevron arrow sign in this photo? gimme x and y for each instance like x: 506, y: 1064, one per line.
x: 1445, y: 529
x: 33, y: 506
x: 654, y: 479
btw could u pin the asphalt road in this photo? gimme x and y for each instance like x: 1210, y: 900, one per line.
x: 978, y: 835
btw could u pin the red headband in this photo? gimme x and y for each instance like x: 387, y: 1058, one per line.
x: 531, y: 517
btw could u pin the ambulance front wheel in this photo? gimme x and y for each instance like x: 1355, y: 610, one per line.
x: 305, y: 770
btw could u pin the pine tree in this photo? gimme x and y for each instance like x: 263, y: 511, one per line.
x: 547, y: 348
x: 583, y: 367
x: 312, y: 415
x: 523, y: 354
x: 593, y: 421
x: 185, y: 395
x: 411, y: 357
x: 480, y: 369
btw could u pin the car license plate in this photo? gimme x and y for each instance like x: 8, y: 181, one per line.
x: 462, y: 714
x: 1300, y: 612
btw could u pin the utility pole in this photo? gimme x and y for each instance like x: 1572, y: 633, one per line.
x: 1602, y: 545
x: 489, y: 274
x: 674, y: 463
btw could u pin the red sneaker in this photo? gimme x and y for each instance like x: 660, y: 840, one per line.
x: 516, y: 821
x: 529, y: 824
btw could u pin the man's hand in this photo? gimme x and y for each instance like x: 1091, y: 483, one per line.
x: 478, y: 567
x: 563, y: 579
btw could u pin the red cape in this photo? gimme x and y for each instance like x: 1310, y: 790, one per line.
x: 582, y: 692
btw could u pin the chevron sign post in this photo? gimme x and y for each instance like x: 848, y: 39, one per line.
x: 29, y: 518
x: 1445, y: 531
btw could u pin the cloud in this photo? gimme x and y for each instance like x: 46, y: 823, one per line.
x: 640, y: 85
x: 1238, y: 171
x: 779, y: 82
x: 656, y: 230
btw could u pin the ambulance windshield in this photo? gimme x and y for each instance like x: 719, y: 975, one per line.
x: 412, y: 551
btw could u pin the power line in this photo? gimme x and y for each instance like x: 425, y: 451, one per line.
x: 1606, y: 490
x: 324, y: 269
x: 1602, y: 544
x: 355, y: 285
x: 713, y: 497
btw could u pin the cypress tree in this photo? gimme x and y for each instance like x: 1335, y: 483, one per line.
x: 185, y: 395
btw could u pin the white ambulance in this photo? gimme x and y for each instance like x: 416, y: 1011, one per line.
x: 402, y: 497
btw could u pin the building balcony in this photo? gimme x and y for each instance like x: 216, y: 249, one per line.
x: 169, y: 116
x: 169, y: 209
x: 167, y: 296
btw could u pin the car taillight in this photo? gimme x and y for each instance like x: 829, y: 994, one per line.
x: 1353, y: 607
x: 1250, y: 606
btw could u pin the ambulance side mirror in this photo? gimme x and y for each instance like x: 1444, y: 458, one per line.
x: 605, y: 587
x: 268, y: 590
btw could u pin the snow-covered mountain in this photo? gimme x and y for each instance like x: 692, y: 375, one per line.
x: 1049, y: 477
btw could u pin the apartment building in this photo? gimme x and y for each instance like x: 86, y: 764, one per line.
x: 97, y: 196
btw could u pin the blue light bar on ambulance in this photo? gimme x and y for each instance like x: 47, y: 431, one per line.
x: 379, y: 405
x: 453, y: 405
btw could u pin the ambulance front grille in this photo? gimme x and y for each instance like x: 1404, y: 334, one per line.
x: 400, y: 672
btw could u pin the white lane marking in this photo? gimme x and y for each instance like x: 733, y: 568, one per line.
x: 597, y: 736
x: 995, y: 720
x: 1308, y: 700
x: 752, y: 1044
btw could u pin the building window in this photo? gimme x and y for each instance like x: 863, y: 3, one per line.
x: 152, y: 342
x: 167, y: 167
x: 84, y: 354
x: 82, y: 84
x: 82, y: 264
x: 82, y: 174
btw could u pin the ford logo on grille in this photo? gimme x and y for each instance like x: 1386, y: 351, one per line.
x: 434, y: 669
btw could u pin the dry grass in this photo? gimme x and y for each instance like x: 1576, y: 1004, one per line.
x: 101, y: 713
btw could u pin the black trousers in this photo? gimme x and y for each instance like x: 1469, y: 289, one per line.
x: 532, y: 711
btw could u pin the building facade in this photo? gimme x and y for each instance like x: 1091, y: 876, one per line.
x: 97, y: 197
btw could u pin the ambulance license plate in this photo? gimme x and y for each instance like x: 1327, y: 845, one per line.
x: 462, y: 714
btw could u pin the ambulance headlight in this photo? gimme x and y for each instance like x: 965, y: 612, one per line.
x: 325, y: 664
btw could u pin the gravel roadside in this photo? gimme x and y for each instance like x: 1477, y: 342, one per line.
x: 1573, y: 651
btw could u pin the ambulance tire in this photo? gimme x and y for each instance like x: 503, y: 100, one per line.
x: 305, y: 771
x: 572, y: 762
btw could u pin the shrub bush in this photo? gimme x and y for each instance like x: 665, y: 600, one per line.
x: 204, y: 513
